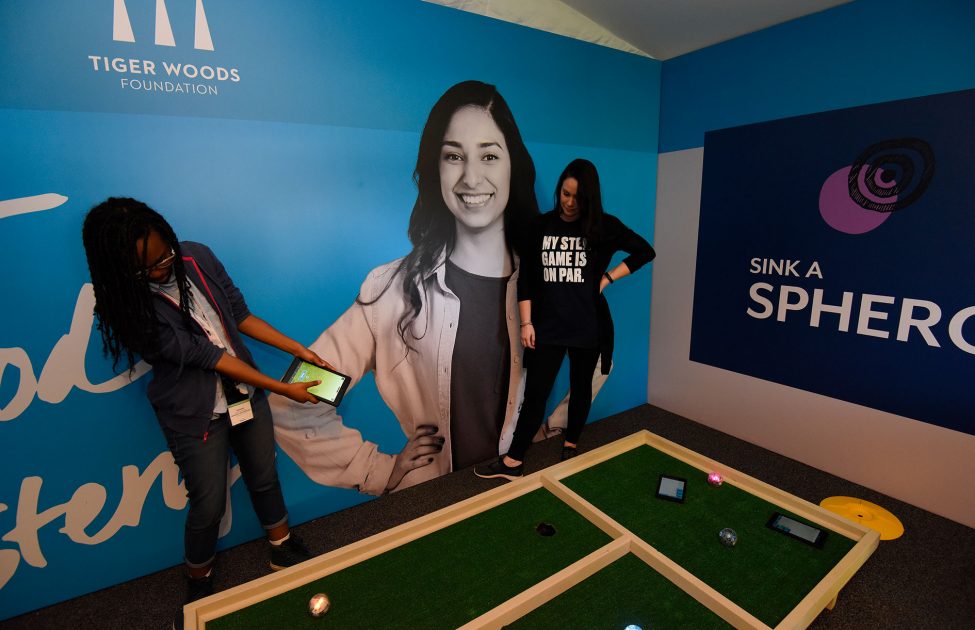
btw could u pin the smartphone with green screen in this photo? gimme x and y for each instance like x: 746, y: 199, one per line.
x: 330, y: 390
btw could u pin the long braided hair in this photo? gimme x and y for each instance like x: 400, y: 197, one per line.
x: 123, y: 297
x: 432, y: 226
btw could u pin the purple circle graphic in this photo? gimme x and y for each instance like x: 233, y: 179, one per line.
x: 842, y: 213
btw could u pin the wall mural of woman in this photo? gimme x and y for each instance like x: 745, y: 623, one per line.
x: 439, y: 328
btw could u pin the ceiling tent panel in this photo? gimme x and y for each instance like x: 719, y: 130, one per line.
x: 552, y: 16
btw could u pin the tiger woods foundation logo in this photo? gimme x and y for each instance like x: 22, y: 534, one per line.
x: 157, y: 75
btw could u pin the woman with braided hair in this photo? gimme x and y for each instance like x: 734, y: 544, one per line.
x: 173, y: 304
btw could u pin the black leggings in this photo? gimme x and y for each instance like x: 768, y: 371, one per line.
x: 543, y: 365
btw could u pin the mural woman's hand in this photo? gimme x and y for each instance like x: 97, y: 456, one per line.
x: 418, y: 452
x: 528, y: 335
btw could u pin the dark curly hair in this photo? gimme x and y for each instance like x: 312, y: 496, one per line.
x: 123, y: 298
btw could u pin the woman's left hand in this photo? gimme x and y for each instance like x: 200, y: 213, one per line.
x: 603, y: 283
x: 307, y: 355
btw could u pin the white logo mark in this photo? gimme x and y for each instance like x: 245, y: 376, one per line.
x: 122, y: 27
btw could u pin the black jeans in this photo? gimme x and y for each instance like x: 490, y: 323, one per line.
x: 543, y: 365
x: 203, y: 463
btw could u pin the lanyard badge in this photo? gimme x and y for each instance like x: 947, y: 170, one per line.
x: 238, y: 404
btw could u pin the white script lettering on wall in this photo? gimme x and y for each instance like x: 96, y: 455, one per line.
x: 64, y: 370
x: 65, y: 367
x: 85, y: 506
x: 26, y: 205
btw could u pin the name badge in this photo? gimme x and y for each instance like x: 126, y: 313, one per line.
x: 240, y: 412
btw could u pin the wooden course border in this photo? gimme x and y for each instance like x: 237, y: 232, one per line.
x: 822, y: 596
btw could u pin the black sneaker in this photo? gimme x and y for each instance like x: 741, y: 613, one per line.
x: 289, y: 553
x: 568, y: 452
x: 196, y: 588
x: 498, y: 470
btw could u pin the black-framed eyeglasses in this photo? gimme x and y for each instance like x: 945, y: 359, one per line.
x: 165, y: 263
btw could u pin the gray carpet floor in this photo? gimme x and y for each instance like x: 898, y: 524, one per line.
x: 925, y: 579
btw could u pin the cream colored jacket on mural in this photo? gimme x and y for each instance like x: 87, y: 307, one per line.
x: 415, y: 385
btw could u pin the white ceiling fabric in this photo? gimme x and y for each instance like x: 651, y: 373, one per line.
x: 553, y: 16
x: 660, y: 29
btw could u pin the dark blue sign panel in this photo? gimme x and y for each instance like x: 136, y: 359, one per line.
x: 836, y: 255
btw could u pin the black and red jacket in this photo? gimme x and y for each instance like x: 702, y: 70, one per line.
x: 183, y: 388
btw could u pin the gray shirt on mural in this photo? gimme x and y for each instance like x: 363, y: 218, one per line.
x: 480, y: 365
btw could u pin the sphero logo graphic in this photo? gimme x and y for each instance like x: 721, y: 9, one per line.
x: 163, y: 76
x: 834, y: 256
x: 886, y: 177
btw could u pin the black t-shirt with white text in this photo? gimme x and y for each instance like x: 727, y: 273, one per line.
x: 564, y: 308
x: 560, y: 275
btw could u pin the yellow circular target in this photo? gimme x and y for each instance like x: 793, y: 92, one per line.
x: 867, y: 514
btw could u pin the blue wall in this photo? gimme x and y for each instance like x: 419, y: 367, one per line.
x: 308, y: 156
x: 864, y: 52
x: 846, y: 78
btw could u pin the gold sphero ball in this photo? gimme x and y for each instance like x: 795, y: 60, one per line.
x: 318, y: 605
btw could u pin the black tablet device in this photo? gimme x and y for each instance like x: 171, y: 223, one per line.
x: 671, y: 488
x: 332, y: 387
x: 791, y: 527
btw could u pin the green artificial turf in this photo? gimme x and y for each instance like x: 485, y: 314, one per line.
x: 626, y: 592
x: 766, y: 573
x: 442, y: 580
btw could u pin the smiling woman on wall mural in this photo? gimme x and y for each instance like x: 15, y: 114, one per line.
x: 439, y: 327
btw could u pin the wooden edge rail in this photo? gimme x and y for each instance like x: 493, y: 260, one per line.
x: 551, y: 587
x: 825, y: 593
x: 196, y: 614
x: 673, y: 572
x: 822, y: 596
